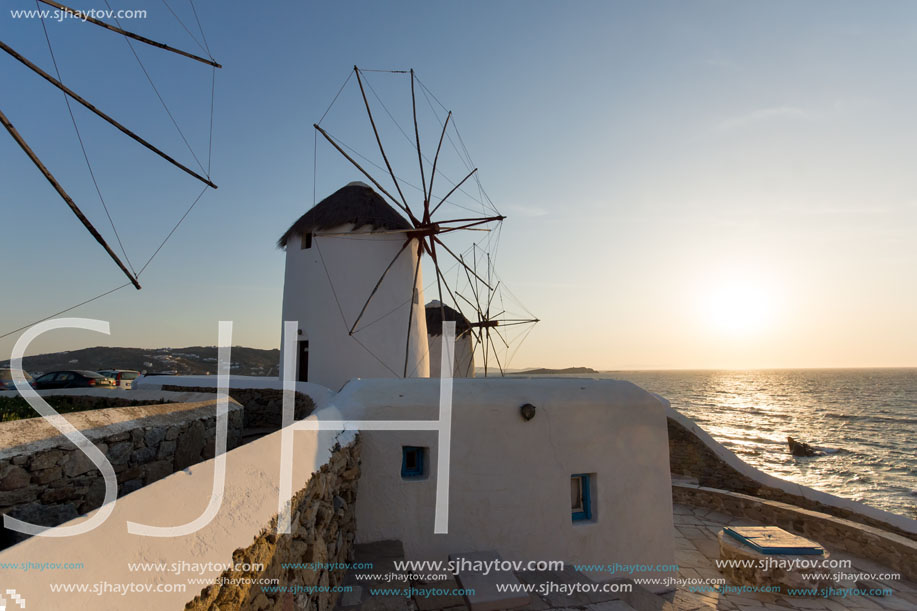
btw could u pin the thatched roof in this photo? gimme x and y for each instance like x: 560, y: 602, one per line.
x: 435, y: 319
x: 355, y: 204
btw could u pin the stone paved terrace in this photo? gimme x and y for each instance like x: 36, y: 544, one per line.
x: 696, y: 548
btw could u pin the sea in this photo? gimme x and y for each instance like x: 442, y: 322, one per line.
x: 865, y: 421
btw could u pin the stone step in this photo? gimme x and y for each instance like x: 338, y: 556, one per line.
x: 486, y: 596
x: 381, y: 555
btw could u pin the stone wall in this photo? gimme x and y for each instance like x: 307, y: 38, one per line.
x: 263, y: 406
x: 45, y: 480
x: 891, y: 550
x: 323, y: 531
x: 690, y: 457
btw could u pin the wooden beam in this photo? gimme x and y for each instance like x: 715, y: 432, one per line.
x: 461, y: 182
x: 376, y: 288
x: 439, y: 146
x: 101, y: 114
x: 414, y: 295
x: 364, y: 172
x: 423, y: 178
x: 372, y: 122
x: 84, y: 17
x: 69, y: 201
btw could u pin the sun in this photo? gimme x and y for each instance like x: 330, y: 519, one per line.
x: 737, y: 306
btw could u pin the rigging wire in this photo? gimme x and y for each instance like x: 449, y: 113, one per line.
x: 457, y: 133
x: 213, y: 86
x: 426, y: 157
x: 410, y: 142
x: 92, y: 173
x: 200, y: 29
x: 159, y: 95
x: 83, y: 146
x: 82, y: 303
x: 182, y: 23
x: 327, y: 110
x: 180, y: 221
x: 341, y: 310
x: 379, y: 167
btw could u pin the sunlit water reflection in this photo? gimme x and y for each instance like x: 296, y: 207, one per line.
x: 867, y: 417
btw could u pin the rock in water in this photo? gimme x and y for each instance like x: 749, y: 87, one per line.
x: 799, y: 448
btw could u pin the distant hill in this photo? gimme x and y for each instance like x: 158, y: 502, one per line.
x: 196, y: 360
x: 549, y: 372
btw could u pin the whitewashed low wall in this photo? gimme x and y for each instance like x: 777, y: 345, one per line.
x: 319, y: 394
x: 510, y: 478
x: 250, y: 502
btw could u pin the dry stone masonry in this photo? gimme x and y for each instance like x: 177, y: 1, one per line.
x: 263, y: 406
x: 47, y: 481
x: 323, y: 530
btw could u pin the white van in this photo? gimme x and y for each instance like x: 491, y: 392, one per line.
x: 123, y: 378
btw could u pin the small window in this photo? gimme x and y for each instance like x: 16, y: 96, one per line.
x: 306, y: 240
x: 581, y: 497
x: 413, y: 462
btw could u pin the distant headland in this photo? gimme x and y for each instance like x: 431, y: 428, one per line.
x: 549, y: 372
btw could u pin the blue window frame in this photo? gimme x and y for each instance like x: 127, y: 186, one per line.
x: 581, y: 496
x: 413, y: 459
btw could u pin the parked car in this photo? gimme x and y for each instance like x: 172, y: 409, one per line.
x: 6, y: 379
x: 123, y: 378
x: 72, y: 379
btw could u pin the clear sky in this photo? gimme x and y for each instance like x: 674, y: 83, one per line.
x: 688, y: 185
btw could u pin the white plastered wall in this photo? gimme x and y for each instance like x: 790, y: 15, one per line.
x: 326, y: 286
x: 510, y: 479
x: 464, y: 356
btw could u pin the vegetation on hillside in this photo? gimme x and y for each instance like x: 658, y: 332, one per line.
x: 16, y: 408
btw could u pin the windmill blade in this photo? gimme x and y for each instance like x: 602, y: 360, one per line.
x: 86, y: 17
x: 512, y: 323
x: 466, y: 300
x: 372, y: 122
x: 502, y: 339
x: 13, y: 53
x: 66, y: 197
x: 471, y: 226
x: 457, y: 258
x: 460, y: 183
x: 496, y: 356
x: 493, y: 294
x: 474, y: 288
x: 407, y: 343
x: 439, y: 288
x: 360, y: 168
x: 440, y: 275
x: 435, y: 160
x: 498, y: 217
x: 378, y: 284
x: 423, y: 178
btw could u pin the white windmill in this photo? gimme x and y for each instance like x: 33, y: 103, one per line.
x: 353, y: 262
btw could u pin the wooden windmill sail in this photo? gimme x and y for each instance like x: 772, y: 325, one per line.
x: 429, y: 227
x: 498, y: 322
x: 71, y: 94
